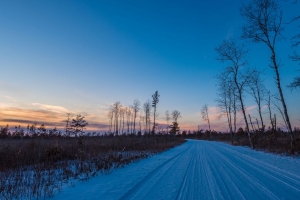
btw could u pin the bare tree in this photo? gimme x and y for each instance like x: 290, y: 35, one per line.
x: 147, y: 111
x: 258, y: 92
x: 268, y: 102
x: 264, y: 25
x: 135, y: 108
x: 167, y: 119
x: 230, y: 51
x: 68, y: 124
x: 225, y: 99
x: 155, y: 101
x: 128, y: 117
x: 278, y: 107
x: 110, y: 117
x: 116, y: 107
x: 175, y: 114
x: 205, y: 117
x: 174, y: 127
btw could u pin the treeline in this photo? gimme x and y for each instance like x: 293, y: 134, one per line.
x: 141, y: 119
x: 74, y: 127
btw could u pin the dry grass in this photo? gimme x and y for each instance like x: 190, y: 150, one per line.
x: 35, y: 167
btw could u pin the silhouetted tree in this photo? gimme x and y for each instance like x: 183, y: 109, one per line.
x: 258, y: 92
x: 264, y: 25
x: 68, y: 124
x: 230, y: 51
x: 205, y: 117
x: 147, y: 111
x: 175, y: 114
x: 78, y: 124
x: 168, y: 119
x: 226, y: 100
x: 268, y: 103
x: 135, y: 108
x: 174, y: 128
x: 155, y: 100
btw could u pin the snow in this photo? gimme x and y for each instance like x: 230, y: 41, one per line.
x: 196, y: 170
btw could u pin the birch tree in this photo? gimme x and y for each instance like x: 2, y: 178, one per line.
x: 234, y: 54
x: 264, y: 25
x: 205, y: 117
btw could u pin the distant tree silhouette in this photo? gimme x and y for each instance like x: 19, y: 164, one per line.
x: 147, y: 111
x: 67, y: 130
x: 167, y: 119
x: 155, y: 100
x: 174, y: 128
x: 78, y: 124
x: 175, y: 114
x: 135, y: 108
x: 264, y: 25
x: 205, y: 117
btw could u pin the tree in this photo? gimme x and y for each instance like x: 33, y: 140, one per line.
x: 296, y: 56
x: 230, y: 51
x: 135, y: 108
x: 264, y: 25
x: 258, y: 92
x: 155, y: 100
x: 205, y: 117
x: 78, y: 124
x: 68, y: 124
x: 175, y: 114
x: 268, y: 102
x: 168, y: 119
x: 226, y: 100
x: 174, y: 128
x: 115, y: 109
x: 147, y: 111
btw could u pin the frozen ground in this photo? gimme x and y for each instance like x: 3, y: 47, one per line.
x: 197, y: 170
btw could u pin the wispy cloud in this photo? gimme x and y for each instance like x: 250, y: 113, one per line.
x: 51, y: 108
x: 10, y: 98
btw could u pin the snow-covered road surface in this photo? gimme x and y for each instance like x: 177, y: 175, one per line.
x: 197, y: 170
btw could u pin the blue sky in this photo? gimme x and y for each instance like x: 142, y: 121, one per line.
x: 82, y: 56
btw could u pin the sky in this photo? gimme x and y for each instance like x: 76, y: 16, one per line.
x: 82, y: 56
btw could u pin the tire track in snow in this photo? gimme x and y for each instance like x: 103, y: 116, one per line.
x: 242, y: 178
x: 268, y: 179
x: 183, y: 187
x: 132, y: 192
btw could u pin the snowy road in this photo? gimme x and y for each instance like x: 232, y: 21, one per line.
x: 197, y: 170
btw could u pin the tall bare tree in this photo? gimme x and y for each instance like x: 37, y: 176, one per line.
x: 68, y: 124
x: 155, y: 100
x: 264, y: 25
x: 205, y: 117
x: 135, y: 108
x: 175, y: 114
x: 225, y: 100
x: 147, y: 111
x: 128, y: 117
x: 230, y: 51
x: 167, y: 119
x: 116, y: 107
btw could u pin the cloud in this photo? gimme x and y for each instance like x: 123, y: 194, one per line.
x: 57, y: 109
x: 10, y: 98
